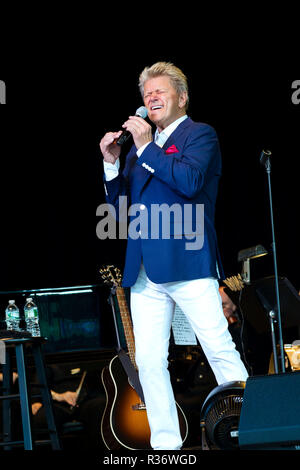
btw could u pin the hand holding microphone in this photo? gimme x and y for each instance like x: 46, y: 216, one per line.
x: 141, y: 113
x: 136, y: 126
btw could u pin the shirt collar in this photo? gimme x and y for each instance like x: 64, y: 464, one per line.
x: 169, y: 129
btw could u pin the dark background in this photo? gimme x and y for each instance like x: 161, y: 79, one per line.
x: 51, y: 181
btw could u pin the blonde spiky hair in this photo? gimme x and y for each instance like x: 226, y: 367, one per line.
x: 176, y: 76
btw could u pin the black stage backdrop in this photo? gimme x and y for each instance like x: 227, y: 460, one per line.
x: 52, y: 183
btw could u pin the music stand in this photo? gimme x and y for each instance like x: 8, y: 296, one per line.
x: 259, y: 297
x: 254, y: 328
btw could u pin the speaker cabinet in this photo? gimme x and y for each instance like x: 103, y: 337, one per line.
x: 270, y: 414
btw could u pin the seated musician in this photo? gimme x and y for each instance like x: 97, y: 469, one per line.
x: 87, y: 406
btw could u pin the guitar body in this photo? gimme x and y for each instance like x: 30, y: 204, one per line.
x: 124, y: 421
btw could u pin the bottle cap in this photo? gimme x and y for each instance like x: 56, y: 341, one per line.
x: 11, y: 301
x: 29, y: 299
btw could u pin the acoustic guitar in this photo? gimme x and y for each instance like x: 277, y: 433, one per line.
x: 124, y: 422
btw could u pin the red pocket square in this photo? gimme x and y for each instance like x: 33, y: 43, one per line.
x: 172, y: 149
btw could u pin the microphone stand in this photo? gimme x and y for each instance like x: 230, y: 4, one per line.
x: 265, y: 160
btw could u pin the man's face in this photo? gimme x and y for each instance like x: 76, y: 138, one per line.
x: 162, y: 101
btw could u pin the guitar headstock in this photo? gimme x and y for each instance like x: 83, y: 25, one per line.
x: 111, y: 275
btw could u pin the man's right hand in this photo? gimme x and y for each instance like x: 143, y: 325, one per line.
x: 69, y: 397
x: 110, y: 151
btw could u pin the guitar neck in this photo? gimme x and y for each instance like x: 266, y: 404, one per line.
x: 127, y: 323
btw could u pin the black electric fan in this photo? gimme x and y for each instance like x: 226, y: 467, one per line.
x: 220, y: 416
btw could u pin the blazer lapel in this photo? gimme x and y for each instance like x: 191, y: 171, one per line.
x: 144, y: 176
x: 175, y: 136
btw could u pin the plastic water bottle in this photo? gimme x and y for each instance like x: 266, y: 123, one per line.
x: 32, y: 317
x: 12, y: 316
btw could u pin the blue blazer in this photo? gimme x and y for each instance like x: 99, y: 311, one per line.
x: 185, y: 171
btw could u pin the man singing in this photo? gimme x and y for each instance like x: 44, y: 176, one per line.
x: 180, y: 164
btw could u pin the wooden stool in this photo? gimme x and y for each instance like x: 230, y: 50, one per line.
x: 20, y: 347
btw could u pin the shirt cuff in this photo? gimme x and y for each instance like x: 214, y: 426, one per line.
x: 141, y: 149
x: 111, y: 170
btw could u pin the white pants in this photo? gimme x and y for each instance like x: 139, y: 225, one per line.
x: 152, y: 308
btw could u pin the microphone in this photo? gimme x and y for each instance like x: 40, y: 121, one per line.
x: 265, y: 154
x: 141, y: 112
